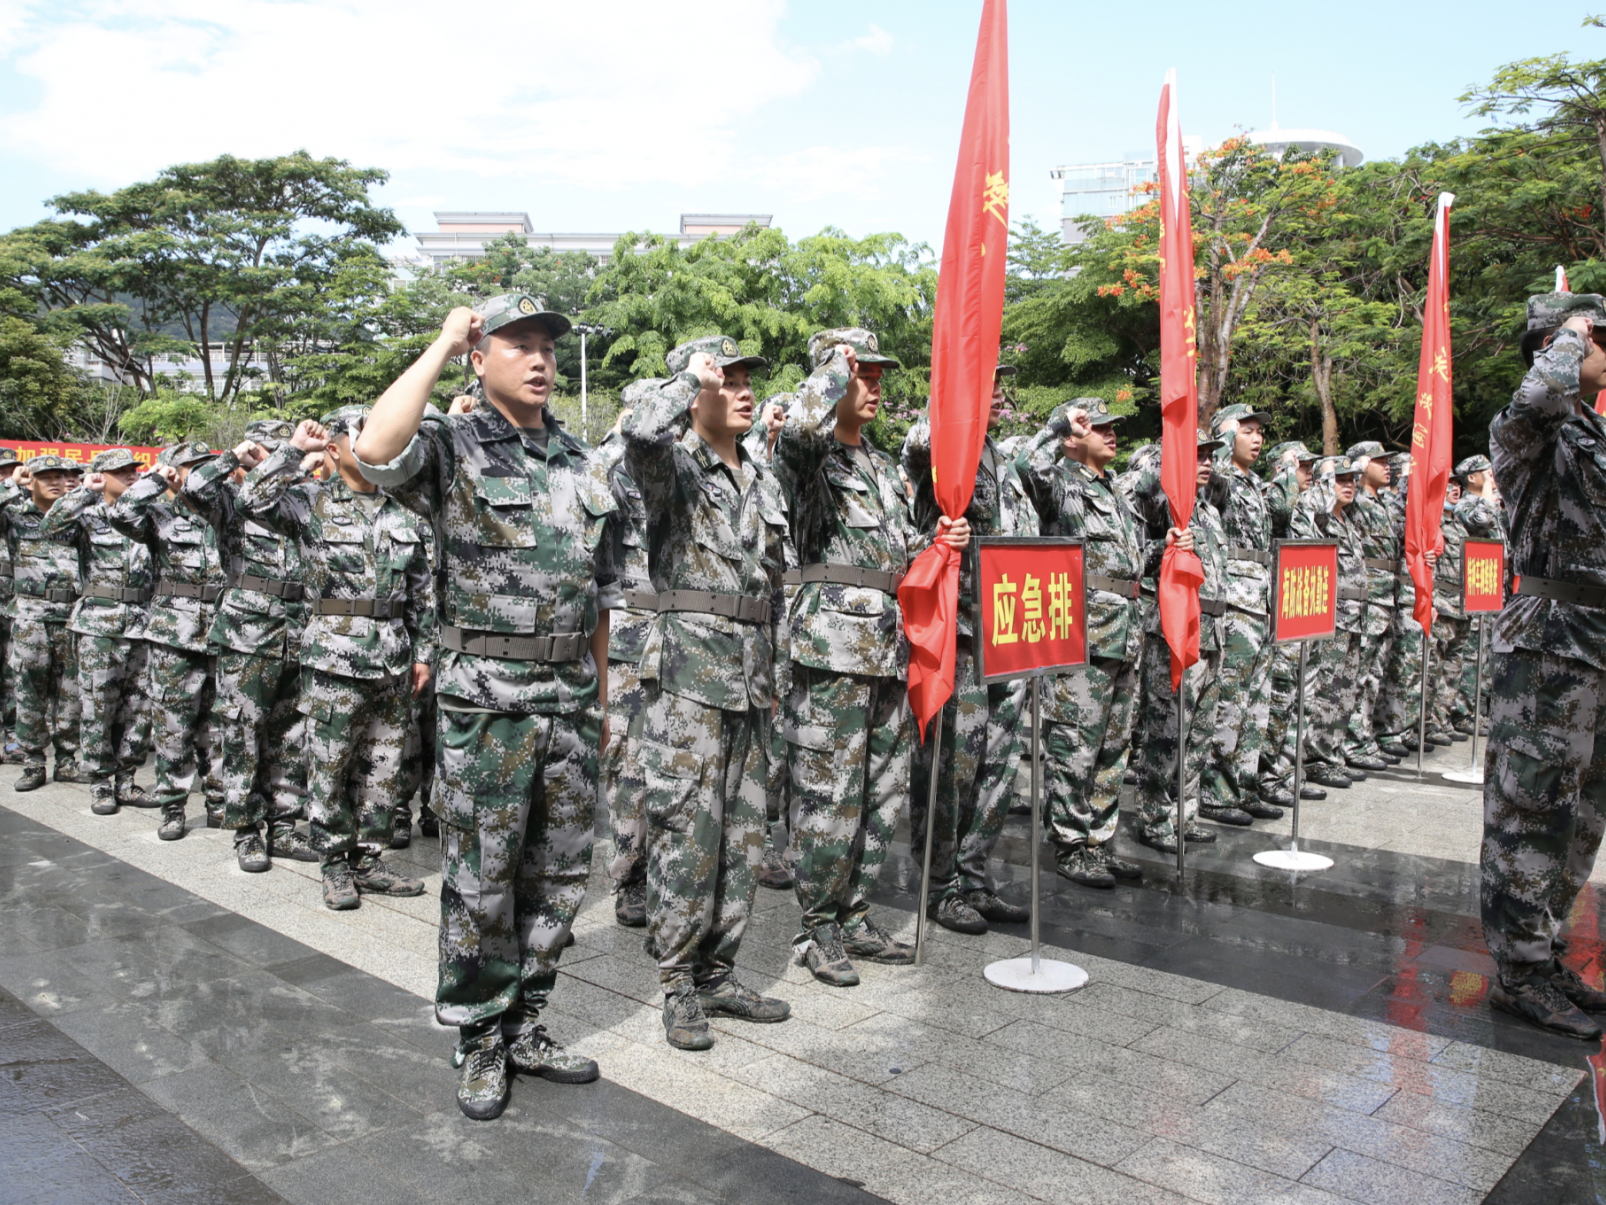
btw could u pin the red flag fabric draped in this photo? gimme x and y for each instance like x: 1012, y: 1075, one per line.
x: 964, y: 351
x: 1181, y: 573
x: 1431, y: 432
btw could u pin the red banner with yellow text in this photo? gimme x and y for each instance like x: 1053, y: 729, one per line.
x: 1483, y: 576
x: 1031, y: 609
x: 80, y: 453
x: 1432, y: 427
x: 1305, y: 590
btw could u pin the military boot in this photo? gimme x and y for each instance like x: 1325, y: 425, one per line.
x: 339, y: 890
x: 401, y: 829
x: 1368, y: 765
x: 33, y: 777
x: 727, y: 996
x: 13, y: 752
x: 172, y: 825
x: 1259, y: 809
x: 1226, y: 815
x: 827, y: 960
x: 990, y: 907
x: 630, y: 905
x: 773, y: 872
x: 214, y: 811
x: 482, y: 1085
x: 1537, y: 1000
x: 1119, y: 867
x: 130, y: 794
x: 285, y: 840
x: 249, y: 851
x: 1325, y: 775
x: 1570, y: 984
x: 535, y: 1053
x: 1307, y: 791
x: 373, y: 877
x: 1081, y: 865
x: 67, y: 770
x: 685, y: 1022
x: 103, y: 797
x: 951, y: 912
x: 1160, y: 837
x: 1393, y: 749
x: 869, y: 941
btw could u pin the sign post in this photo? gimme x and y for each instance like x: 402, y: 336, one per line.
x: 1483, y: 576
x: 1030, y: 622
x: 1304, y: 608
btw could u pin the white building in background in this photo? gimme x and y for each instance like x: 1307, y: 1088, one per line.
x: 1107, y: 190
x: 463, y: 235
x: 187, y: 374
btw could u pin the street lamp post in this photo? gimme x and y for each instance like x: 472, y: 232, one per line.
x: 602, y: 332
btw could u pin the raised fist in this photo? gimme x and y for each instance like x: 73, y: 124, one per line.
x: 95, y: 482
x: 462, y: 330
x: 709, y: 375
x: 310, y: 436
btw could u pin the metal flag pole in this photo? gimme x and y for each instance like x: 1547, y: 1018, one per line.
x: 1182, y: 770
x: 1291, y: 858
x: 1422, y: 723
x: 1035, y: 973
x: 1474, y: 772
x: 931, y: 824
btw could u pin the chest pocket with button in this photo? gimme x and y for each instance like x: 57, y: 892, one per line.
x: 503, y: 512
x: 345, y: 550
x: 186, y: 549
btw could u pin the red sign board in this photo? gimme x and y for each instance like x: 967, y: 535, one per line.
x: 26, y: 450
x: 1483, y: 576
x: 1031, y: 612
x: 1305, y: 590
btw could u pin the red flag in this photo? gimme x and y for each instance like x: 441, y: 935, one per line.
x: 964, y: 352
x: 1431, y: 433
x: 1181, y: 573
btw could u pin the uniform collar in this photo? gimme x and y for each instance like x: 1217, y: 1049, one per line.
x: 491, y: 424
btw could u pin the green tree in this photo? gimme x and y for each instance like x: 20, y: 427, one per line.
x: 38, y: 391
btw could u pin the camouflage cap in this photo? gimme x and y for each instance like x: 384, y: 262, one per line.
x: 864, y: 344
x: 113, y: 459
x: 51, y: 464
x: 189, y: 452
x: 507, y: 308
x: 1302, y: 454
x: 347, y: 420
x: 725, y: 351
x: 1549, y: 310
x: 9, y: 457
x: 1005, y: 370
x: 269, y: 432
x: 1098, y: 411
x: 1235, y: 414
x: 1338, y: 466
x: 1472, y: 464
x: 1209, y: 443
x: 1368, y: 448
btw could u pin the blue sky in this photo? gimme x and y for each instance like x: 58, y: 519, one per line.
x: 622, y: 114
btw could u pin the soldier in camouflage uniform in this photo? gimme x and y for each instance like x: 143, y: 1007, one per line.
x: 1087, y: 725
x: 981, y: 739
x: 10, y: 751
x: 1231, y: 791
x: 182, y: 682
x: 1479, y: 512
x: 522, y: 518
x: 1155, y: 741
x: 109, y: 623
x: 1370, y: 514
x: 1544, y: 795
x: 48, y: 582
x: 1452, y: 630
x: 706, y: 672
x: 257, y: 633
x: 1399, y: 705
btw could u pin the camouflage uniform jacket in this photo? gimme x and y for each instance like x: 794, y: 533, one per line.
x: 1311, y: 523
x: 1072, y: 500
x: 999, y: 505
x: 724, y: 532
x: 848, y: 508
x: 1447, y: 582
x: 248, y: 621
x: 1371, y: 518
x: 1481, y: 518
x: 1147, y: 497
x: 521, y: 544
x: 40, y: 561
x: 1404, y: 584
x: 109, y: 559
x: 757, y: 444
x: 1282, y: 491
x: 1247, y: 517
x: 1549, y: 457
x: 8, y: 491
x: 628, y: 533
x: 184, y: 552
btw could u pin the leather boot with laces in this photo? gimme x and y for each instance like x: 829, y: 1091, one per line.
x: 773, y: 872
x: 250, y: 853
x: 1119, y: 867
x: 172, y: 825
x: 482, y: 1085
x: 728, y: 996
x: 951, y: 912
x: 401, y: 829
x: 1570, y: 984
x: 1226, y: 815
x: 131, y: 795
x: 869, y: 941
x: 630, y: 905
x: 685, y: 1022
x: 339, y: 891
x: 990, y: 907
x: 67, y: 770
x: 1081, y: 865
x: 1537, y: 1000
x: 103, y: 797
x: 1325, y: 775
x: 1259, y: 809
x: 374, y: 877
x: 33, y: 777
x: 827, y: 960
x: 285, y: 840
x: 535, y: 1053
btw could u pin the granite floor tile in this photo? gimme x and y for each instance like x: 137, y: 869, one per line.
x: 1377, y: 1183
x: 1492, y: 1131
x: 1217, y: 1181
x: 845, y: 1152
x: 127, y: 1038
x: 1048, y: 1175
x: 1544, y: 1077
x: 255, y: 1129
x: 344, y: 1175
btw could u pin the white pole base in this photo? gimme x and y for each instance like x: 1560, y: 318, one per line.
x: 1291, y: 859
x: 1015, y: 975
x: 1475, y: 777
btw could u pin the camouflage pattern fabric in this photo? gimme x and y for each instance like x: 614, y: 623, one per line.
x: 44, y: 671
x: 418, y: 756
x: 265, y: 747
x: 1375, y: 524
x: 115, y: 722
x: 626, y: 814
x: 699, y: 771
x: 182, y: 686
x: 8, y: 693
x: 964, y: 754
x: 1282, y: 718
x: 1086, y: 758
x: 1008, y: 721
x: 356, y: 729
x: 517, y: 798
x: 183, y: 551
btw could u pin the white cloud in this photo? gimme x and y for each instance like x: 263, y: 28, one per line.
x: 603, y: 95
x: 877, y: 41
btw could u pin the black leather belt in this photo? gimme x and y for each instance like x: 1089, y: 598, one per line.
x: 377, y: 608
x: 1381, y: 562
x: 844, y: 575
x: 566, y: 646
x: 1352, y: 593
x: 641, y: 600
x: 186, y: 590
x: 1212, y: 606
x: 704, y: 602
x: 118, y: 594
x: 1249, y: 554
x: 1559, y: 591
x: 1125, y: 587
x: 270, y: 585
x: 48, y: 594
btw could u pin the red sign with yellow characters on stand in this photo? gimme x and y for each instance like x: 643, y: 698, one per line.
x: 1483, y: 576
x: 1304, y: 590
x: 82, y: 454
x: 1031, y: 607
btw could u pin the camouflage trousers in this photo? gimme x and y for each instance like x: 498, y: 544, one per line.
x: 115, y: 720
x: 700, y: 773
x: 1282, y: 717
x: 1007, y: 715
x: 356, y: 728
x: 1085, y: 761
x: 517, y: 796
x: 44, y: 673
x: 1361, y: 740
x: 182, y: 686
x: 1243, y: 708
x: 8, y: 694
x: 1155, y: 741
x: 1399, y: 707
x: 418, y: 756
x: 1544, y: 799
x: 1332, y: 673
x: 1453, y: 649
x: 964, y: 754
x: 264, y: 753
x: 621, y: 792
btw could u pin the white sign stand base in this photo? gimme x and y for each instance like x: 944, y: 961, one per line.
x: 1293, y: 859
x: 1475, y: 777
x: 1016, y: 975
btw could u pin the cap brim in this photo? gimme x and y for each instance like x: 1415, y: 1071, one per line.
x: 879, y: 360
x: 1005, y: 370
x: 758, y: 362
x: 1260, y: 416
x: 1210, y: 445
x: 1107, y: 421
x: 558, y: 324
